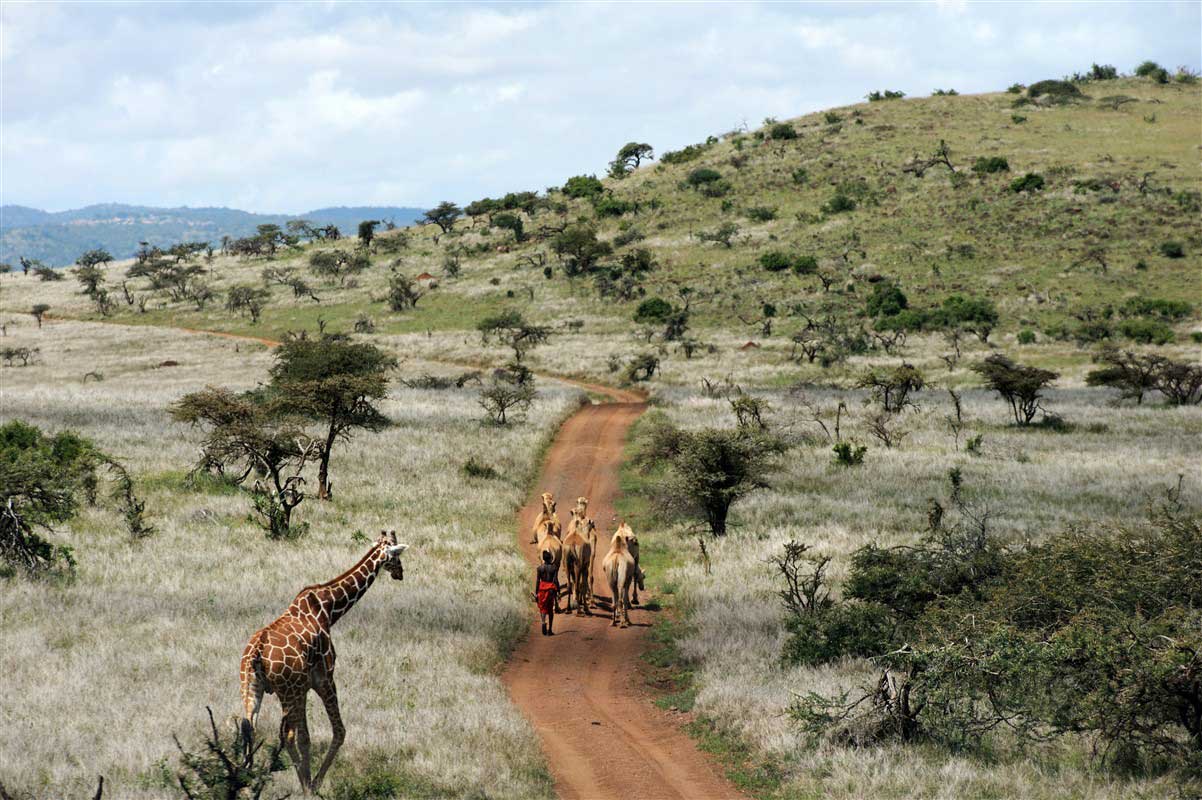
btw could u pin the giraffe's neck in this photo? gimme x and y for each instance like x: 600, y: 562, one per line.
x: 334, y: 598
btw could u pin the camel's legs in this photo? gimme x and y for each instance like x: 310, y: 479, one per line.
x: 328, y: 693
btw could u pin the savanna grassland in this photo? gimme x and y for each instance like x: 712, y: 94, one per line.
x: 745, y: 240
x: 101, y: 670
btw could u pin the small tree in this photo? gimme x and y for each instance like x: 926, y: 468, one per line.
x: 629, y: 157
x: 47, y: 274
x: 892, y: 387
x: 1019, y: 385
x: 512, y: 329
x: 333, y: 381
x: 94, y: 258
x: 403, y: 292
x: 228, y: 768
x: 703, y: 473
x: 511, y: 222
x: 641, y: 368
x: 249, y: 433
x: 1180, y: 382
x: 578, y: 249
x: 248, y: 300
x: 724, y: 234
x: 443, y: 215
x: 39, y: 311
x: 367, y: 232
x: 1131, y: 373
x: 505, y: 397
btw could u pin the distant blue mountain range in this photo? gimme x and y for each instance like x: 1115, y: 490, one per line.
x: 57, y: 238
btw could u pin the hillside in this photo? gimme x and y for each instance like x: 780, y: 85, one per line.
x: 1059, y: 264
x: 57, y: 238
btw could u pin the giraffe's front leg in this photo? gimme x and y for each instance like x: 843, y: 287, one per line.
x: 328, y: 693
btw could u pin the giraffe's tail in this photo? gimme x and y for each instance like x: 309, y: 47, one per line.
x: 252, y: 686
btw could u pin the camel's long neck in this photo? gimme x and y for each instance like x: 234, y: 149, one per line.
x: 339, y: 595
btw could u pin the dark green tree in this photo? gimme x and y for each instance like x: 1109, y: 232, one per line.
x: 443, y: 215
x: 1019, y: 385
x: 335, y: 382
x: 513, y: 330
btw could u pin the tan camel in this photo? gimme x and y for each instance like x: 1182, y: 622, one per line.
x: 546, y: 536
x: 620, y: 572
x: 632, y: 544
x: 579, y: 545
x: 295, y: 654
x: 547, y: 516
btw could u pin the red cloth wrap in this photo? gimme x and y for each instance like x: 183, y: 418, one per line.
x: 547, y: 592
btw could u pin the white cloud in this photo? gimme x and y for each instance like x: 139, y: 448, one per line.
x: 292, y: 106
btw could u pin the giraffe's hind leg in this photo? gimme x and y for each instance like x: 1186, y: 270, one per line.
x: 328, y: 693
x: 294, y: 732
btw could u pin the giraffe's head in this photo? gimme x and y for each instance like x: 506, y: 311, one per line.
x: 392, y: 554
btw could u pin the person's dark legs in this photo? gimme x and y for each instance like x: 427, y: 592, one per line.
x: 550, y: 619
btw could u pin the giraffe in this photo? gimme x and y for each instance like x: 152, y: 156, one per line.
x: 295, y: 654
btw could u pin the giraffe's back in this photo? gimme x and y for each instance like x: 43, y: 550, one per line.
x: 279, y: 654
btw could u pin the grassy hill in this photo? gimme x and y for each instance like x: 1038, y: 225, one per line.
x: 1121, y: 179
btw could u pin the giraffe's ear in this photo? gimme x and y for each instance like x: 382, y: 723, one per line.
x: 396, y: 550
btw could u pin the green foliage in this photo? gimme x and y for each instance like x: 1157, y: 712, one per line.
x: 578, y: 249
x: 1172, y: 250
x: 684, y: 155
x: 892, y: 387
x: 1021, y: 386
x: 653, y: 310
x: 403, y: 291
x: 583, y: 186
x: 506, y: 398
x: 510, y: 222
x: 477, y: 469
x: 859, y: 630
x: 443, y: 215
x: 1147, y: 69
x: 849, y: 454
x: 606, y: 205
x: 944, y: 93
x: 42, y: 481
x: 1026, y: 336
x: 1053, y: 89
x: 782, y: 131
x: 47, y: 274
x: 838, y: 203
x: 1146, y: 331
x: 226, y: 768
x: 1102, y: 72
x: 805, y: 265
x: 1159, y: 308
x: 724, y: 234
x: 641, y: 368
x: 991, y: 164
x: 703, y: 175
x: 876, y: 96
x: 248, y: 300
x: 886, y: 300
x: 777, y: 260
x: 702, y: 473
x: 629, y: 157
x: 761, y: 213
x: 1031, y: 182
x: 367, y: 231
x: 513, y: 330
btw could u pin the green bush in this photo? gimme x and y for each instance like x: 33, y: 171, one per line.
x: 849, y: 629
x: 1172, y: 249
x: 1102, y: 72
x: 1053, y: 89
x: 886, y: 300
x: 477, y: 469
x: 805, y: 265
x: 683, y: 155
x: 1147, y: 68
x: 607, y: 205
x: 1026, y: 336
x: 782, y: 130
x: 777, y: 261
x: 761, y: 213
x: 653, y: 310
x: 800, y: 176
x: 838, y: 204
x: 1156, y: 307
x: 703, y: 175
x: 1146, y: 331
x: 876, y: 96
x: 583, y: 186
x: 990, y: 165
x: 1031, y: 182
x: 848, y: 454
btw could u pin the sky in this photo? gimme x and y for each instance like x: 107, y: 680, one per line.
x: 293, y: 106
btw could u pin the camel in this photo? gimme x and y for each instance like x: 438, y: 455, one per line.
x: 547, y: 516
x: 546, y: 536
x: 621, y: 572
x: 632, y: 544
x: 579, y: 545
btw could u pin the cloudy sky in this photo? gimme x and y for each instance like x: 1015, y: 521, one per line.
x: 291, y: 106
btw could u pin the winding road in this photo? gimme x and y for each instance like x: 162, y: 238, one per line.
x: 581, y: 688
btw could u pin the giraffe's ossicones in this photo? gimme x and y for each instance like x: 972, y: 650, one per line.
x: 295, y: 654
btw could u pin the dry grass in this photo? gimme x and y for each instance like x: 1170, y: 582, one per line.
x: 1034, y: 482
x: 100, y: 672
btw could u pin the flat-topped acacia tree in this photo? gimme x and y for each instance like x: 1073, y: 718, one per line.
x: 334, y: 381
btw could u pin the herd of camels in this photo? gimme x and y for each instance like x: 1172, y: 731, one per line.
x: 576, y: 549
x: 295, y: 654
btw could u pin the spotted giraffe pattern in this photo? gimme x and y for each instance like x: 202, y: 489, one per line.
x: 295, y: 654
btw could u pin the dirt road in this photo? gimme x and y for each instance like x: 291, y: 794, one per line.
x: 581, y: 688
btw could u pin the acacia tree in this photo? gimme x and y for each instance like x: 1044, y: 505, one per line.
x: 38, y: 311
x: 579, y: 249
x: 629, y: 157
x: 250, y: 433
x: 334, y: 381
x: 443, y: 215
x: 512, y: 329
x: 1018, y: 384
x: 704, y: 472
x: 367, y: 231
